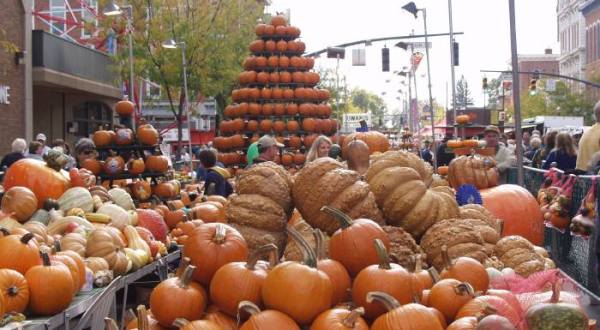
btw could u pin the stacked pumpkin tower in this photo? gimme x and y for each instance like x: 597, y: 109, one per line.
x: 277, y: 95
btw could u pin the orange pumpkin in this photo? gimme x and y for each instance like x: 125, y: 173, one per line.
x: 102, y: 138
x: 262, y: 78
x: 124, y: 108
x: 386, y: 277
x: 465, y: 269
x: 50, y: 287
x: 285, y: 77
x: 124, y: 136
x: 147, y: 135
x: 92, y: 165
x: 265, y: 93
x: 157, y: 164
x: 178, y: 297
x: 267, y: 109
x: 518, y: 209
x: 269, y: 319
x: 448, y: 296
x: 454, y: 144
x: 410, y: 316
x: 209, y: 212
x: 136, y: 166
x: 340, y: 319
x: 39, y: 178
x: 114, y: 165
x: 20, y: 202
x: 376, y: 141
x: 462, y: 119
x: 241, y: 281
x: 14, y: 290
x: 278, y: 20
x: 212, y: 245
x: 141, y: 190
x: 340, y: 279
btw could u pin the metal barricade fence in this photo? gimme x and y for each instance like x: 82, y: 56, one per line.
x: 575, y: 255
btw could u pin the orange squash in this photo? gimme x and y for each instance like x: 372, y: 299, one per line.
x: 518, y: 209
x: 39, y: 178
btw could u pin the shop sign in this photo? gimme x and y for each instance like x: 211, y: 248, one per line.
x: 4, y: 95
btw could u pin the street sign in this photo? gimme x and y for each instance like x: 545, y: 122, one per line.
x: 418, y: 45
x: 501, y: 116
x: 171, y: 135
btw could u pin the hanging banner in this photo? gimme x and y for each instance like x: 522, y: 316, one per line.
x: 415, y: 59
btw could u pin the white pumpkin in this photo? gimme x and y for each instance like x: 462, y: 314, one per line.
x: 119, y: 218
x: 76, y: 197
x: 122, y: 198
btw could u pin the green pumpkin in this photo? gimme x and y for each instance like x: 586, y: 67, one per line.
x: 559, y: 316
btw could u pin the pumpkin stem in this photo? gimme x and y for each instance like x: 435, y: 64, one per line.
x: 261, y: 251
x: 247, y: 307
x: 310, y: 258
x: 26, y: 238
x: 350, y: 320
x: 418, y: 263
x: 57, y: 246
x: 488, y: 310
x: 319, y: 244
x: 389, y: 302
x: 464, y: 289
x: 50, y: 204
x: 446, y: 257
x: 4, y: 231
x: 344, y: 220
x: 186, y: 277
x: 220, y: 233
x: 110, y: 324
x: 45, y: 258
x: 142, y: 319
x: 384, y: 258
x: 183, y: 265
x: 500, y: 226
x: 435, y: 276
x: 180, y: 322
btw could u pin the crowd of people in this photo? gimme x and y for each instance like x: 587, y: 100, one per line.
x: 572, y: 153
x: 577, y: 153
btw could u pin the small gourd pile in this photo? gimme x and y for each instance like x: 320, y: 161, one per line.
x: 277, y: 95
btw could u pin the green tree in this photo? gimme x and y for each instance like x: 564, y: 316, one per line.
x: 366, y: 101
x: 463, y: 93
x: 216, y: 36
x: 493, y: 94
x: 341, y: 91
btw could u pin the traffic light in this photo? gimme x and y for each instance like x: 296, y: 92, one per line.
x: 536, y: 74
x: 484, y: 83
x: 385, y: 59
x: 533, y: 87
x: 455, y: 45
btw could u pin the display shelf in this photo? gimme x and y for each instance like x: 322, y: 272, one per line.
x: 279, y: 69
x: 284, y: 85
x: 126, y: 147
x: 278, y: 53
x: 124, y: 176
x: 284, y: 101
x: 277, y: 38
x: 275, y: 117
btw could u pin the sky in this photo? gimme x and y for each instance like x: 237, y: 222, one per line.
x: 485, y: 43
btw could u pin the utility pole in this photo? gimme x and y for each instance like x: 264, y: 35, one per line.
x: 452, y: 67
x: 516, y: 92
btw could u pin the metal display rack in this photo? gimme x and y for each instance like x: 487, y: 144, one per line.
x: 88, y: 301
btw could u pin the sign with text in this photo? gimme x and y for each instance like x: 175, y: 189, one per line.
x: 4, y: 94
x: 352, y: 121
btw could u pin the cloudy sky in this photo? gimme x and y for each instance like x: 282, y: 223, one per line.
x: 485, y: 43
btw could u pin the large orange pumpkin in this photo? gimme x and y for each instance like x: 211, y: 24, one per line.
x: 157, y: 164
x: 39, y: 178
x: 376, y: 141
x: 92, y: 165
x: 50, y: 287
x: 212, y: 245
x: 102, y: 138
x: 209, y: 212
x: 519, y: 210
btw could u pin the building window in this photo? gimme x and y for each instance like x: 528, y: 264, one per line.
x: 91, y: 115
x: 58, y: 10
x: 89, y: 19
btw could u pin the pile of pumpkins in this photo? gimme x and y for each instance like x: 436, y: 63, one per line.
x: 278, y: 95
x: 61, y: 234
x: 114, y: 164
x: 223, y: 284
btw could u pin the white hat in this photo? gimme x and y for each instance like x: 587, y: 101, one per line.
x: 40, y: 136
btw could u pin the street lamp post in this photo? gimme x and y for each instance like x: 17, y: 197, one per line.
x: 412, y: 8
x: 113, y: 9
x: 172, y: 44
x: 452, y: 61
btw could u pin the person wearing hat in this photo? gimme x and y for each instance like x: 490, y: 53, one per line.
x: 426, y: 153
x: 41, y: 138
x: 84, y: 149
x: 504, y: 157
x: 268, y: 149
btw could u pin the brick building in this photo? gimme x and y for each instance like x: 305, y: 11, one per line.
x: 547, y: 62
x: 54, y: 86
x: 591, y: 13
x: 15, y: 75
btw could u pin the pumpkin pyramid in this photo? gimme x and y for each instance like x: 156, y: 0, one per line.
x: 277, y: 95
